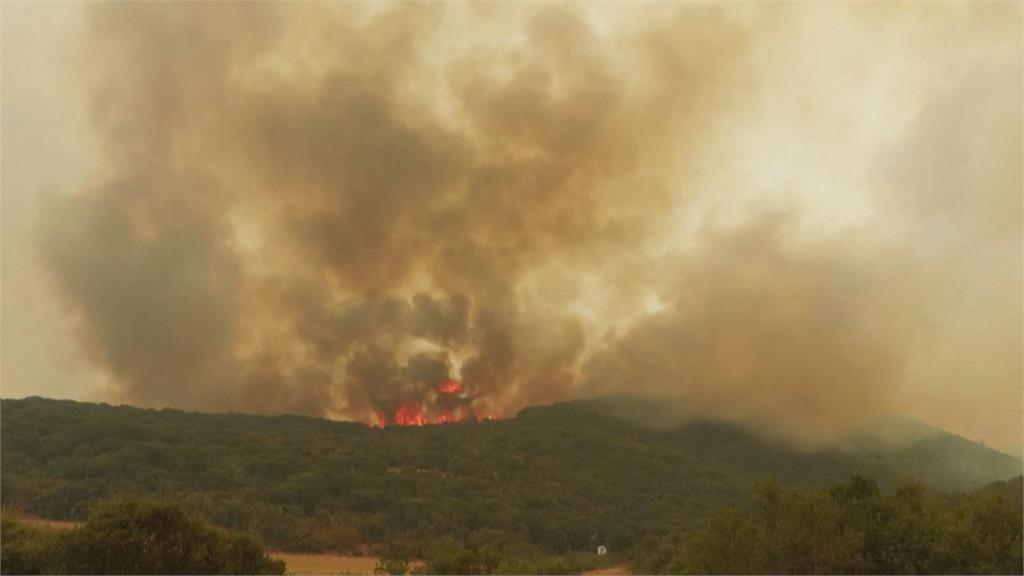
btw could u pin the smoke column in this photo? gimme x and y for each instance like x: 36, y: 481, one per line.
x: 337, y: 209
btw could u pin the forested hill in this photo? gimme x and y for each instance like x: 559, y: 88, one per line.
x: 555, y: 478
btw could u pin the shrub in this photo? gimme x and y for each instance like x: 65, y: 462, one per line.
x: 134, y: 537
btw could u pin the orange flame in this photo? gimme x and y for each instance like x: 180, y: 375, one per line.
x: 410, y: 414
x: 450, y: 387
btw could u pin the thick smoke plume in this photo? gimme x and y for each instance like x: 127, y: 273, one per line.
x: 335, y: 209
x: 792, y: 340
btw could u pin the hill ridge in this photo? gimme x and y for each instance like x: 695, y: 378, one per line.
x: 556, y: 476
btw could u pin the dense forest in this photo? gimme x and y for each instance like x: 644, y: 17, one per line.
x: 545, y: 487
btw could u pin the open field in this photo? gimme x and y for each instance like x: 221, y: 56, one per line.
x: 337, y: 564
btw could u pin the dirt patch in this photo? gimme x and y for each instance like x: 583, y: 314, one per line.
x: 38, y: 522
x: 610, y: 570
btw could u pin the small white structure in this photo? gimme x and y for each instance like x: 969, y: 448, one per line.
x: 601, y: 550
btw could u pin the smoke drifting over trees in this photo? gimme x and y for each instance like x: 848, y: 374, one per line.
x: 333, y: 209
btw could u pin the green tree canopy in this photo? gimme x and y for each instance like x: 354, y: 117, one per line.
x: 134, y: 537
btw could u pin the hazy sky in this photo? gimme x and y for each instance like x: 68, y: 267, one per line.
x: 790, y: 215
x: 44, y: 139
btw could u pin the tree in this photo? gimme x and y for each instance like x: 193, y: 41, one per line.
x: 134, y: 537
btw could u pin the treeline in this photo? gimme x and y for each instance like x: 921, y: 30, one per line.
x: 132, y: 537
x: 852, y: 528
x: 548, y: 486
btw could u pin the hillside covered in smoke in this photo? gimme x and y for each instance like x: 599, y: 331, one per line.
x: 795, y: 217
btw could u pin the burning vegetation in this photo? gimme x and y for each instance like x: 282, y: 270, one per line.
x: 450, y: 404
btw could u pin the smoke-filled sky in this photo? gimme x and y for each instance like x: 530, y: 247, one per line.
x: 793, y: 216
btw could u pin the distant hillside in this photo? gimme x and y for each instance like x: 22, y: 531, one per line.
x: 900, y: 448
x: 556, y: 478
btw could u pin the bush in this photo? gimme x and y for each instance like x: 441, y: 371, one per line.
x: 134, y: 537
x: 29, y: 550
